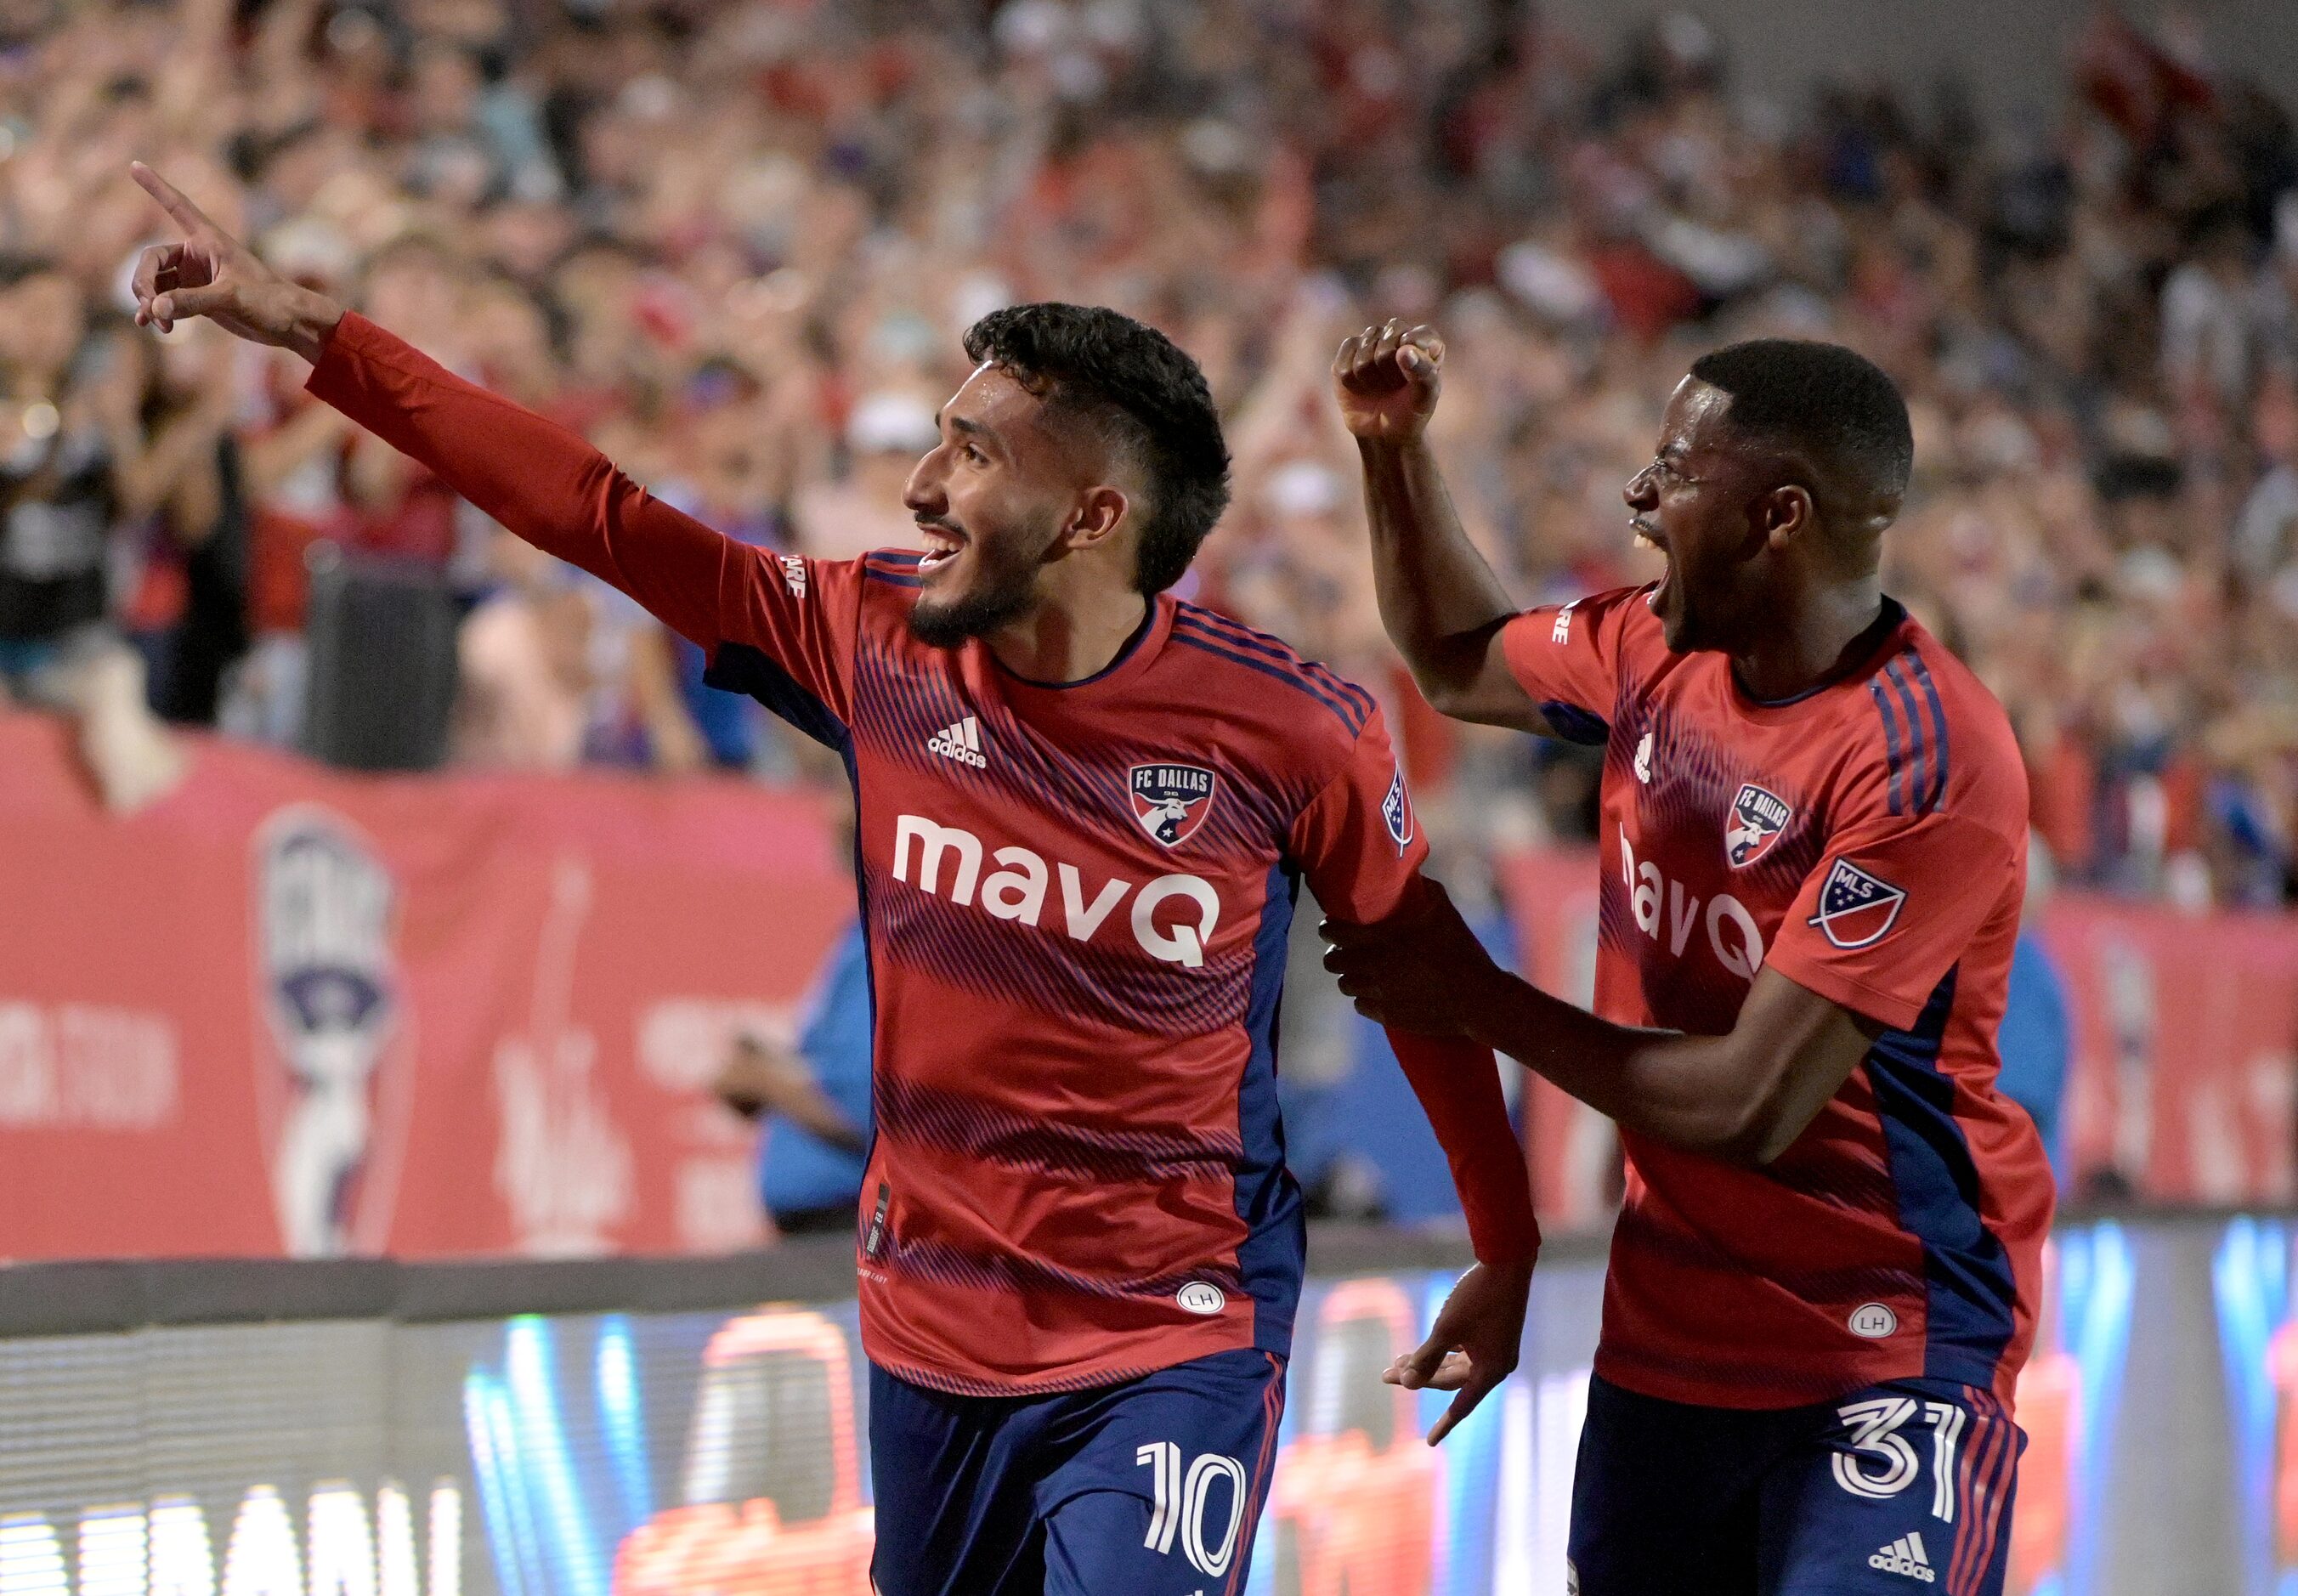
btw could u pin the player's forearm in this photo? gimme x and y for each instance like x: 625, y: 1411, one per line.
x: 1439, y: 599
x: 541, y: 481
x: 804, y: 1106
x: 312, y: 319
x: 1697, y: 1093
x: 1460, y: 1090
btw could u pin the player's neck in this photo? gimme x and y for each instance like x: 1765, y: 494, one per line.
x: 1069, y: 637
x: 1808, y: 640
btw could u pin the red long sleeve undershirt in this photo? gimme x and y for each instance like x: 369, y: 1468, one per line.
x: 1460, y: 1090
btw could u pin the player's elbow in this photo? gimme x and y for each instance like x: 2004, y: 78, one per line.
x: 1446, y: 682
x: 1459, y: 686
x: 1752, y: 1120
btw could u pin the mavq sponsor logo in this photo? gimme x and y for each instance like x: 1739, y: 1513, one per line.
x: 1016, y: 890
x: 1668, y: 914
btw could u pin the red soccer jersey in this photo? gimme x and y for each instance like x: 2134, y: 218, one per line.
x: 1867, y: 840
x: 1077, y: 899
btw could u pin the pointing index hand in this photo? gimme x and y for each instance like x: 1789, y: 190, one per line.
x: 173, y: 201
x: 212, y: 274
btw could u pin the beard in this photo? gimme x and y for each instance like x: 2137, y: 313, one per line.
x: 999, y: 596
x: 973, y: 615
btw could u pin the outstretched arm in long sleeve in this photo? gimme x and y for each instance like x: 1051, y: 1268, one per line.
x: 538, y: 479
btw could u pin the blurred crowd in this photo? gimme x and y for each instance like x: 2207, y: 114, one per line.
x: 735, y: 244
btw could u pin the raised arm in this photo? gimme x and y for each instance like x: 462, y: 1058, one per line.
x: 538, y: 479
x: 1441, y: 604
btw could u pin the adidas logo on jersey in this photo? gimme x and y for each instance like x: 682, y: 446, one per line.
x: 1905, y: 1556
x: 961, y: 741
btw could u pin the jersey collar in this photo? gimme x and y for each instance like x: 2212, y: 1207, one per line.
x: 1148, y: 637
x: 1870, y: 646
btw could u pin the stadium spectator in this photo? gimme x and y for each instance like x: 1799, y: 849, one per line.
x: 814, y: 1097
x: 2036, y: 1038
x: 79, y: 463
x: 741, y: 238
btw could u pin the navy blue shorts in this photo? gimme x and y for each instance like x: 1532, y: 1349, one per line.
x: 1894, y: 1490
x: 1151, y: 1488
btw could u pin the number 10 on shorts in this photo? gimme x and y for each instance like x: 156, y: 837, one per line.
x: 1875, y: 1426
x: 1180, y: 1505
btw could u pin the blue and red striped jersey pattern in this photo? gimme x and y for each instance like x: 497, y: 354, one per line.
x: 1868, y: 841
x: 1077, y: 899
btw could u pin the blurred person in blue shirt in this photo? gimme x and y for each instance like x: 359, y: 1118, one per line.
x: 815, y: 1098
x: 2037, y: 1039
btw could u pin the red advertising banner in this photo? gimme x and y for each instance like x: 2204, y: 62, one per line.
x: 2186, y: 1050
x: 290, y: 1011
x: 2185, y: 1047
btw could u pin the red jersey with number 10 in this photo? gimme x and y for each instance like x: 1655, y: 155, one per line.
x: 1867, y: 840
x: 1077, y: 898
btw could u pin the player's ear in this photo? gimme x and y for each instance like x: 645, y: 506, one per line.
x: 1099, y: 512
x: 1785, y: 514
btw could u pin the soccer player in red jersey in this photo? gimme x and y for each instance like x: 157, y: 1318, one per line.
x: 1082, y: 811
x: 1822, y: 1282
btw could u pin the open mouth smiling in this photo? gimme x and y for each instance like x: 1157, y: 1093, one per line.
x: 941, y: 546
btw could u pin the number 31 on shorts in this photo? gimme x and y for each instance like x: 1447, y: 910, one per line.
x: 1875, y: 1425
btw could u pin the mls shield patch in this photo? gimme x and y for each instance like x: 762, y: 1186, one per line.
x: 1396, y: 810
x: 1757, y: 819
x: 1857, y: 908
x: 1172, y: 801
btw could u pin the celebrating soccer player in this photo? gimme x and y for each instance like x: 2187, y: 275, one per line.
x: 1824, y: 1281
x: 1083, y: 809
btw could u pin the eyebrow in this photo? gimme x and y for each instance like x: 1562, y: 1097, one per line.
x: 971, y: 429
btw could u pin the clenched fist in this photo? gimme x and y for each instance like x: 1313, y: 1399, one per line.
x: 212, y: 274
x: 1387, y: 378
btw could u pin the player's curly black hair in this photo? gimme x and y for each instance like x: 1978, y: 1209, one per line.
x: 1143, y: 394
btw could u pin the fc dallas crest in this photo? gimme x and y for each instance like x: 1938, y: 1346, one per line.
x: 1857, y: 908
x: 1757, y: 819
x: 1172, y: 801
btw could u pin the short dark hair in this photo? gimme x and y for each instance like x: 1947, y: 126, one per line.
x: 1143, y: 394
x: 1822, y: 398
